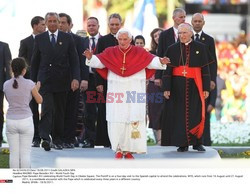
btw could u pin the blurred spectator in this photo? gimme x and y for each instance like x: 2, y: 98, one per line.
x: 139, y: 41
x: 220, y: 85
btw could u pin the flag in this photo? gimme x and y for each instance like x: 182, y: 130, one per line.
x: 145, y: 19
x: 7, y: 8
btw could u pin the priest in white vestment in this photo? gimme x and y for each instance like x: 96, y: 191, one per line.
x: 126, y: 69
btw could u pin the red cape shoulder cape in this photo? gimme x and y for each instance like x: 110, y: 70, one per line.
x: 137, y: 59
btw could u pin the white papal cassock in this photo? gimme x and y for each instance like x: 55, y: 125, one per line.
x: 126, y: 104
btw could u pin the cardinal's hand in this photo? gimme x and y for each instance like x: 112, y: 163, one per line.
x: 166, y: 94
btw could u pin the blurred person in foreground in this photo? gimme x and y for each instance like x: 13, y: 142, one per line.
x: 126, y: 68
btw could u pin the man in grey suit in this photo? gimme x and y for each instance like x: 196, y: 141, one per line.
x: 55, y: 64
x: 5, y: 57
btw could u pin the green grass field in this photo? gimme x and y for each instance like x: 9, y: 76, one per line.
x: 4, y: 160
x: 245, y: 154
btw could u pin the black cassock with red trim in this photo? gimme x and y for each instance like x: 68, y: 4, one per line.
x: 186, y: 78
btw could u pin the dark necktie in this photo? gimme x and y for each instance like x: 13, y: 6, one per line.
x: 197, y: 37
x: 93, y: 44
x: 53, y: 40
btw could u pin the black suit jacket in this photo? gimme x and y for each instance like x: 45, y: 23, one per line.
x: 55, y: 67
x: 80, y: 48
x: 5, y: 58
x: 103, y: 43
x: 26, y: 50
x: 86, y: 46
x: 166, y: 39
x: 209, y: 42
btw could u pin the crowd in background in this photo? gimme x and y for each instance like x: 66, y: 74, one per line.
x: 234, y: 70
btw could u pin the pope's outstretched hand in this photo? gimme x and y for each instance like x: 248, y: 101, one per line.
x: 88, y: 54
x: 164, y: 60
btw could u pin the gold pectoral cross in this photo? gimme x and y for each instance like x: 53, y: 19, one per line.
x: 124, y: 59
x: 123, y: 69
x: 184, y: 72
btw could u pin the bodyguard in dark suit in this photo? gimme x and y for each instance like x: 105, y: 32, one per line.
x: 5, y: 58
x: 27, y: 44
x: 198, y: 23
x: 114, y: 23
x: 90, y: 43
x: 169, y: 37
x: 25, y: 51
x: 73, y: 96
x: 55, y: 64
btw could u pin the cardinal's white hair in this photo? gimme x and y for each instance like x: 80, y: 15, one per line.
x: 186, y: 25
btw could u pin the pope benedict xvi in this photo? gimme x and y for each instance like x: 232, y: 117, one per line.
x: 126, y: 67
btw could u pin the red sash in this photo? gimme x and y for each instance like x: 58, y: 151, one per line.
x: 195, y: 73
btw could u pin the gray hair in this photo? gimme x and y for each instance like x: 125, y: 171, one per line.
x: 115, y: 15
x: 124, y: 31
x: 198, y: 14
x: 186, y: 25
x: 178, y: 10
x: 51, y: 14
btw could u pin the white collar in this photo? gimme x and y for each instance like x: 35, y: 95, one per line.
x: 55, y: 33
x: 175, y: 30
x: 198, y: 33
x: 113, y: 35
x: 96, y: 36
x: 187, y: 43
